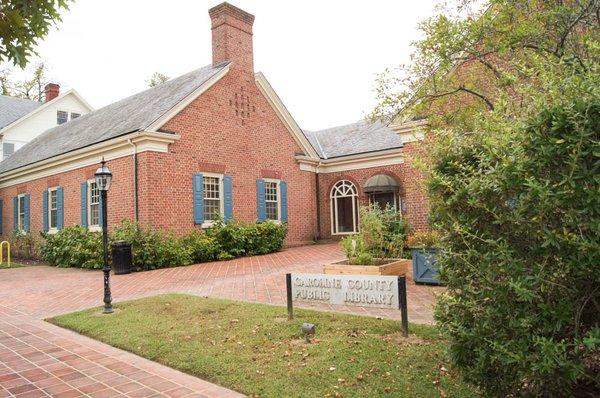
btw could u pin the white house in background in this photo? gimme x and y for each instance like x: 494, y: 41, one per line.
x: 22, y: 120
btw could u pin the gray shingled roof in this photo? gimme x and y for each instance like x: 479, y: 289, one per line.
x: 12, y: 109
x: 128, y: 115
x: 352, y: 139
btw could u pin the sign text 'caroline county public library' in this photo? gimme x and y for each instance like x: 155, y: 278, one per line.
x: 364, y: 291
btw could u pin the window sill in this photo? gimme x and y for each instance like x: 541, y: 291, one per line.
x: 344, y: 233
x: 52, y: 231
x: 95, y: 228
x: 207, y: 224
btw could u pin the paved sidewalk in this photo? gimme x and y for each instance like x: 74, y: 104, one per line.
x: 40, y: 359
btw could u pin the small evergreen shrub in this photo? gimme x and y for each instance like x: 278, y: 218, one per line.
x: 152, y: 249
x: 73, y: 246
x: 248, y: 239
x: 202, y: 247
x: 76, y: 246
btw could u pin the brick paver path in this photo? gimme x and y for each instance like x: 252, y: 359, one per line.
x: 39, y: 359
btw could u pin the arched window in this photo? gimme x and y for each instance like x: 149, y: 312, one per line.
x: 344, y: 208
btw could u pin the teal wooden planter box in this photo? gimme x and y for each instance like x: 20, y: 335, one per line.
x: 424, y: 262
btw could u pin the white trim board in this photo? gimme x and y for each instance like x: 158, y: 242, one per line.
x: 352, y: 162
x: 161, y: 121
x: 112, y: 149
x: 286, y: 118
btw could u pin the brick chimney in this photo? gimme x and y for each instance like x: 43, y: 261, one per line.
x: 232, y: 36
x: 51, y: 91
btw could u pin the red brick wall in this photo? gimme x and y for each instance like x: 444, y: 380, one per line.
x: 247, y: 141
x: 120, y: 196
x: 411, y: 189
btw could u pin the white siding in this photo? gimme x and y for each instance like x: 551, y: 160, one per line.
x: 42, y: 120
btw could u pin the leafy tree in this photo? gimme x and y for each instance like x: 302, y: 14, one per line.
x: 156, y: 79
x: 512, y: 96
x: 474, y: 57
x: 22, y: 23
x: 30, y: 88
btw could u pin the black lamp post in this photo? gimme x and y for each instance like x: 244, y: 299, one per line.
x: 103, y: 178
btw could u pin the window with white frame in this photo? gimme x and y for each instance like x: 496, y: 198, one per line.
x: 213, y: 197
x: 272, y: 200
x: 344, y: 208
x: 62, y: 117
x: 21, y: 212
x: 75, y: 115
x: 93, y: 204
x: 8, y: 148
x: 53, y: 208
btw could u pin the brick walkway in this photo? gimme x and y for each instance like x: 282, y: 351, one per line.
x: 39, y: 359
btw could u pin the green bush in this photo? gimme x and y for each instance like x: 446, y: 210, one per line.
x: 152, y: 249
x: 72, y: 247
x: 23, y: 245
x: 518, y: 203
x: 78, y: 247
x: 382, y: 235
x: 248, y: 239
x: 202, y: 247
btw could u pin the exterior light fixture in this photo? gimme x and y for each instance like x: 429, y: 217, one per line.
x: 103, y: 179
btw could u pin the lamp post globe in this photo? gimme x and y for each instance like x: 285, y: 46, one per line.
x: 103, y: 178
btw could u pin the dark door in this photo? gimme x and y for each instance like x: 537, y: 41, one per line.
x: 384, y: 199
x: 345, y: 219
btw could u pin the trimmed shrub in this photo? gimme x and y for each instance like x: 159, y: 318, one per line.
x: 152, y: 249
x: 73, y: 246
x: 78, y: 247
x: 248, y: 239
x: 201, y: 246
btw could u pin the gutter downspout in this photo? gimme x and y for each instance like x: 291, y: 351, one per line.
x: 318, y: 204
x: 135, y: 181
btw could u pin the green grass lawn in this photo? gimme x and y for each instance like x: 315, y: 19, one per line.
x: 12, y: 265
x: 254, y: 349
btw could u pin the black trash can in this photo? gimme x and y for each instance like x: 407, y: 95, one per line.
x: 122, y: 258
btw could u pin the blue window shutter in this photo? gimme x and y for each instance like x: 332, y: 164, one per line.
x: 198, y: 197
x: 260, y: 199
x: 227, y: 198
x: 45, y: 221
x: 283, y: 192
x: 1, y: 217
x: 60, y: 218
x: 84, y: 207
x: 15, y: 213
x: 26, y: 210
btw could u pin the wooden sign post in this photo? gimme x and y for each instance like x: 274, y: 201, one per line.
x: 358, y: 290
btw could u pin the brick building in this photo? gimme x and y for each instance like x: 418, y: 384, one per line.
x: 216, y: 142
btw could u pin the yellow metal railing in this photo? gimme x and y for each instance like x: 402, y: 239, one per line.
x: 7, y: 252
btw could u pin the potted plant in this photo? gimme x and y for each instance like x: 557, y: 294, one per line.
x: 379, y: 247
x: 424, y: 249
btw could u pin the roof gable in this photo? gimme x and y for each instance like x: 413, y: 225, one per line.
x: 12, y: 109
x: 131, y: 114
x: 352, y: 139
